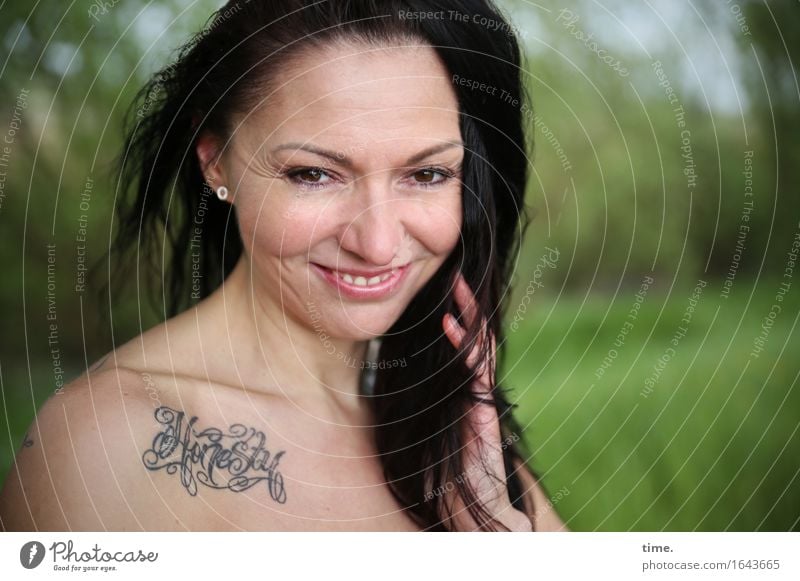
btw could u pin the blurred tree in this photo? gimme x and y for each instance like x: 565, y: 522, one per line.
x: 69, y: 77
x: 770, y: 75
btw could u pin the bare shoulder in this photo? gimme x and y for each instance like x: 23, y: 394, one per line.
x: 72, y: 472
x: 539, y: 508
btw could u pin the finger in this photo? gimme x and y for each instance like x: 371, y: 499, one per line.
x: 465, y: 299
x: 456, y: 333
x: 483, y: 416
x: 467, y: 304
x: 482, y: 442
x: 483, y: 367
x: 453, y: 330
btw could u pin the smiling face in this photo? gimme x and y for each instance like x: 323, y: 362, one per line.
x: 347, y: 185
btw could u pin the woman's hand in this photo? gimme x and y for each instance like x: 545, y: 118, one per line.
x: 483, y: 450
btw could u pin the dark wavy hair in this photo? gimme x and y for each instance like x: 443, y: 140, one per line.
x: 222, y: 71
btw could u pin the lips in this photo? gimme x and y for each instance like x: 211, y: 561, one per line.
x: 362, y: 284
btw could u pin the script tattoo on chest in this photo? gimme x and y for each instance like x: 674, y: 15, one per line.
x: 235, y: 460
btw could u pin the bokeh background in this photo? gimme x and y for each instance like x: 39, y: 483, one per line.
x: 652, y: 345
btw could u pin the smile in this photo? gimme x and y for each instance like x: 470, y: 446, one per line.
x: 362, y: 284
x: 361, y: 281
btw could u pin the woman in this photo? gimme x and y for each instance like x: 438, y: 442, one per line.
x: 349, y: 170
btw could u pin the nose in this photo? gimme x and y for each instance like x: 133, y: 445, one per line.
x: 373, y: 230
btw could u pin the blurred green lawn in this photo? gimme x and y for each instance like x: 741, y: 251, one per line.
x: 715, y: 446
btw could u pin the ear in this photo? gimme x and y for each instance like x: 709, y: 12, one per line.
x: 208, y: 154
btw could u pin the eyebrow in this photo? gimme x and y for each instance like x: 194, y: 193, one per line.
x: 340, y: 158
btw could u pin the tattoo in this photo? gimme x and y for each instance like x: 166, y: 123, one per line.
x: 27, y: 442
x: 202, y: 455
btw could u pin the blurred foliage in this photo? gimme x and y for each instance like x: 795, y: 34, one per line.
x: 625, y: 206
x: 616, y: 205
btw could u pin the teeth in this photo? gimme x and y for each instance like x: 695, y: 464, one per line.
x: 362, y: 281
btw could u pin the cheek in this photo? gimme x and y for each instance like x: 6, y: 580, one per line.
x: 437, y: 224
x: 277, y: 226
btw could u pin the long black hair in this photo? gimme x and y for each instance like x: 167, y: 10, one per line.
x: 223, y: 70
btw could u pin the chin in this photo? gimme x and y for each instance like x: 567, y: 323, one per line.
x: 361, y: 330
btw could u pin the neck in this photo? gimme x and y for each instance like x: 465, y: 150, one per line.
x: 270, y: 349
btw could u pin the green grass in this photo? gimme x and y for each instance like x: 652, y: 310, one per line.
x: 714, y: 446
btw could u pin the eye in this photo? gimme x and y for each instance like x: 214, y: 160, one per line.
x: 431, y: 176
x: 310, y: 177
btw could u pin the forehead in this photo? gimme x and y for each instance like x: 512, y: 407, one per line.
x: 363, y: 93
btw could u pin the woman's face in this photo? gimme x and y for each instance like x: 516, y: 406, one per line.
x: 347, y: 185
